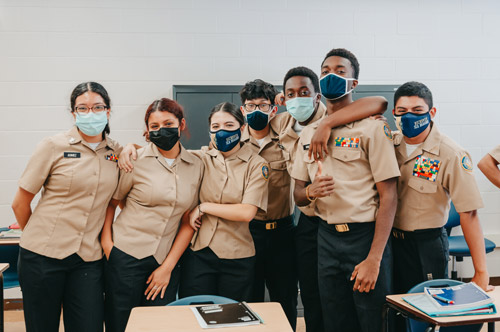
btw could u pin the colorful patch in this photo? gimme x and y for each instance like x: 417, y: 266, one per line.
x: 347, y: 142
x: 387, y: 132
x: 426, y: 168
x: 111, y: 157
x: 467, y: 164
x: 265, y: 172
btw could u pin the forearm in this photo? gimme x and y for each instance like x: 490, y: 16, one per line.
x: 489, y: 167
x: 471, y: 227
x: 107, y: 233
x: 180, y: 245
x: 359, y: 109
x: 234, y: 212
x: 21, y: 206
x: 384, y: 219
x: 299, y: 194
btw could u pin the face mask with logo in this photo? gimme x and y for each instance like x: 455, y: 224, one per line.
x: 164, y: 138
x: 91, y: 124
x: 257, y: 119
x: 300, y: 108
x: 334, y: 86
x: 224, y: 140
x: 411, y: 124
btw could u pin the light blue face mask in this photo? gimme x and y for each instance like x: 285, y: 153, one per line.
x: 92, y: 124
x: 300, y: 108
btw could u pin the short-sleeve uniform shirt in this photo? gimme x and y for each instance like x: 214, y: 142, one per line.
x: 279, y: 204
x: 239, y: 179
x: 495, y: 153
x: 361, y: 154
x: 157, y: 195
x: 438, y: 169
x: 78, y: 183
x: 283, y: 124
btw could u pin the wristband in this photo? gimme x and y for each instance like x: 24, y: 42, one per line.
x: 307, y: 195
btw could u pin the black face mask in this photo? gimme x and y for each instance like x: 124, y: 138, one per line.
x: 164, y: 138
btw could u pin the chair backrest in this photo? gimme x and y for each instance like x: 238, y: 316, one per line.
x: 417, y: 326
x: 9, y: 254
x: 453, y: 219
x: 202, y: 299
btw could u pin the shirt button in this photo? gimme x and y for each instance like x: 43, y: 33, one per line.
x: 421, y: 188
x: 86, y: 214
x: 81, y: 233
x: 158, y: 237
x: 345, y: 156
x: 91, y: 194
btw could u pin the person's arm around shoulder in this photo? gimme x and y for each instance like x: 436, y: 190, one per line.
x: 366, y: 272
x: 357, y: 110
x: 471, y: 227
x: 160, y: 278
x: 489, y: 167
x: 128, y: 152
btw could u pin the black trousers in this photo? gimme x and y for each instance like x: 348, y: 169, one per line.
x: 203, y: 273
x: 126, y: 278
x: 306, y: 246
x: 338, y: 253
x: 418, y: 256
x: 275, y: 265
x: 48, y: 283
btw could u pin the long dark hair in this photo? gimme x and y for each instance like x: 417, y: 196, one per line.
x: 92, y: 87
x: 230, y: 108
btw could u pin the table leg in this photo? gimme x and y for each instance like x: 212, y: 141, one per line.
x: 491, y: 327
x: 1, y: 302
x: 385, y: 317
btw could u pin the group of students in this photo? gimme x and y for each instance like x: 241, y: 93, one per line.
x: 371, y: 205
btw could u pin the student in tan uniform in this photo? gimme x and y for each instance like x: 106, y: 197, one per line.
x: 143, y: 245
x: 302, y: 98
x: 354, y: 194
x: 488, y: 165
x: 434, y: 169
x: 221, y: 260
x: 272, y: 231
x: 60, y: 259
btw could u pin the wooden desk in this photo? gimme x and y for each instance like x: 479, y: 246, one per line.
x: 397, y: 303
x: 9, y: 241
x: 181, y: 319
x: 3, y: 267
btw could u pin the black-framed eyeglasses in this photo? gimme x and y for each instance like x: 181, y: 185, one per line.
x: 85, y: 110
x: 262, y: 107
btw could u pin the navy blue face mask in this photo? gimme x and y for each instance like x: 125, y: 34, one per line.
x: 334, y: 86
x: 257, y: 120
x: 411, y: 124
x: 224, y: 140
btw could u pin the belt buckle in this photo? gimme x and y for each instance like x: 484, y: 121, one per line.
x: 398, y: 235
x: 341, y: 228
x: 271, y: 225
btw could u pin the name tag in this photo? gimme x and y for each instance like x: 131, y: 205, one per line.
x: 306, y: 146
x: 71, y: 154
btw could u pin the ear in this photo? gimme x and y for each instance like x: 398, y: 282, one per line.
x: 433, y: 111
x: 108, y: 111
x: 242, y: 109
x: 274, y: 110
x: 182, y: 126
x: 354, y: 84
x: 393, y: 111
x: 74, y: 115
x: 242, y: 128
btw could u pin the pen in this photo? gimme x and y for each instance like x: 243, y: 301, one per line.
x: 442, y: 299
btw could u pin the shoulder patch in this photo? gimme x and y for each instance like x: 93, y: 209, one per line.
x: 387, y: 132
x: 467, y: 163
x: 265, y: 171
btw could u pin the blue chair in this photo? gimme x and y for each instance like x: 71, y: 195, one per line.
x: 202, y: 299
x: 9, y: 254
x: 418, y: 326
x: 458, y: 246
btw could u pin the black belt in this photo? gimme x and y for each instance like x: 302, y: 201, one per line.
x: 271, y: 224
x: 418, y: 234
x: 346, y: 227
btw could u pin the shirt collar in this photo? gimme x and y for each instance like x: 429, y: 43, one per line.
x: 151, y: 150
x: 74, y: 137
x: 244, y: 153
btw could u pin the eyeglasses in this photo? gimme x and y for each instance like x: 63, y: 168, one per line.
x: 85, y: 110
x: 262, y: 107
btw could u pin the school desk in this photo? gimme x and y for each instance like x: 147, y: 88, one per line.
x: 3, y: 267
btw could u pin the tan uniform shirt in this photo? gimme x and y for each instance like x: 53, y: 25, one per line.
x: 361, y: 154
x: 495, y: 153
x: 239, y: 179
x: 78, y: 183
x: 437, y: 170
x: 279, y: 203
x: 283, y: 124
x: 157, y: 196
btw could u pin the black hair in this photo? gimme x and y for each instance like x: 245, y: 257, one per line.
x: 413, y: 88
x: 343, y: 53
x: 92, y: 87
x: 303, y: 71
x: 258, y: 89
x: 228, y: 108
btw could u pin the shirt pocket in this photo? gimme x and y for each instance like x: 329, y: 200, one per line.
x: 279, y: 174
x: 424, y: 192
x: 346, y: 154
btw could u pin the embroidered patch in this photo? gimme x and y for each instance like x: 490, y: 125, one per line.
x: 426, y: 168
x: 265, y: 172
x: 467, y: 164
x: 347, y: 142
x: 387, y: 132
x: 111, y: 157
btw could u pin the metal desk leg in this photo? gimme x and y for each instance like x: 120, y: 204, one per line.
x: 1, y: 302
x: 385, y: 317
x: 491, y: 327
